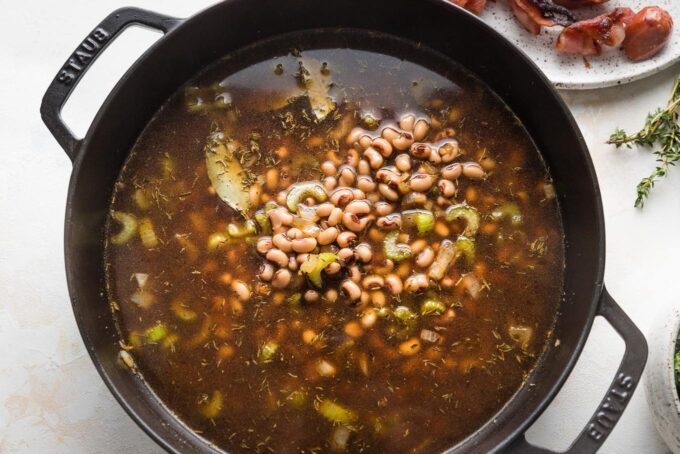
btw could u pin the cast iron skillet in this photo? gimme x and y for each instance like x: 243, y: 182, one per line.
x: 189, y: 45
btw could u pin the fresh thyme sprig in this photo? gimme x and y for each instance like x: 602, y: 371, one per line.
x: 662, y: 129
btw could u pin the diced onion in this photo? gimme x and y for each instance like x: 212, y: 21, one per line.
x: 429, y: 336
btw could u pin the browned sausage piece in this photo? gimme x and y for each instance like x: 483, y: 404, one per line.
x: 647, y: 33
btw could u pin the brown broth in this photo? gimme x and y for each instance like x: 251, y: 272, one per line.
x: 424, y: 402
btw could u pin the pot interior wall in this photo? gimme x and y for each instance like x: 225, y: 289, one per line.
x: 236, y: 23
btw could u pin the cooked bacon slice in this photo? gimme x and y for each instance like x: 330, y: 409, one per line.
x: 586, y: 37
x: 474, y: 6
x: 579, y: 3
x: 529, y: 14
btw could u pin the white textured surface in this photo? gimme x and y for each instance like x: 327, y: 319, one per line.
x: 51, y: 398
x: 569, y: 71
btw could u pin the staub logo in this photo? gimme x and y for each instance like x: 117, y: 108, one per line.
x: 83, y: 56
x: 612, y: 406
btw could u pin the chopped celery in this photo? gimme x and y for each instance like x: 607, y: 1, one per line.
x: 297, y: 398
x: 301, y: 191
x: 213, y: 406
x: 156, y: 333
x: 404, y: 314
x: 509, y: 211
x: 336, y: 413
x: 445, y: 256
x: 432, y: 306
x: 466, y: 213
x: 467, y: 247
x: 263, y: 222
x: 147, y: 233
x: 315, y: 264
x: 182, y: 312
x: 129, y: 227
x: 248, y: 228
x: 393, y: 250
x: 422, y: 220
x: 267, y: 351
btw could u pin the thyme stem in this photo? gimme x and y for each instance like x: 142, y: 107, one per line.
x: 661, y: 129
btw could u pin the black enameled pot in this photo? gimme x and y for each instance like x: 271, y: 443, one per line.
x: 191, y: 44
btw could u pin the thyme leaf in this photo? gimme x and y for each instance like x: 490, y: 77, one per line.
x: 661, y: 132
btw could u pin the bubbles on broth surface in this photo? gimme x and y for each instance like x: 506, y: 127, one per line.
x: 391, y: 274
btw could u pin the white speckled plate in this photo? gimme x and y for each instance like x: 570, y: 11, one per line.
x: 571, y: 72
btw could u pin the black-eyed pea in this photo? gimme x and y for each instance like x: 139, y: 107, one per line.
x: 278, y: 257
x: 281, y: 279
x: 266, y: 272
x: 383, y: 208
x: 407, y: 122
x: 331, y: 295
x: 375, y: 159
x: 441, y: 229
x: 351, y: 160
x: 425, y: 258
x: 403, y: 162
x: 378, y: 298
x: 420, y: 129
x: 347, y: 175
x: 452, y: 171
x: 473, y: 171
x: 333, y: 268
x: 389, y: 134
x: 363, y: 252
x: 410, y: 347
x: 302, y: 245
x: 346, y: 255
x: 327, y: 236
x: 264, y: 244
x: 446, y: 187
x: 369, y: 318
x: 311, y: 296
x: 324, y: 209
x: 354, y: 135
x: 418, y: 246
x: 389, y: 222
x: 354, y: 273
x: 293, y: 263
x: 394, y: 284
x: 271, y: 179
x: 351, y: 289
x: 421, y: 150
x: 365, y: 141
x: 383, y: 147
x: 330, y: 183
x: 366, y: 183
x: 421, y: 182
x: 358, y: 207
x: 373, y: 282
x: 282, y: 242
x: 364, y: 168
x: 328, y: 168
x: 335, y: 217
x: 342, y: 196
x: 416, y: 282
x: 403, y: 142
x: 345, y: 239
x: 387, y: 192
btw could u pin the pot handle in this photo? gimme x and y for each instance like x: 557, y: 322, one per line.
x: 620, y: 391
x: 80, y: 61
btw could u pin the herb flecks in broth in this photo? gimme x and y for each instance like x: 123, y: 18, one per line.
x: 334, y: 250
